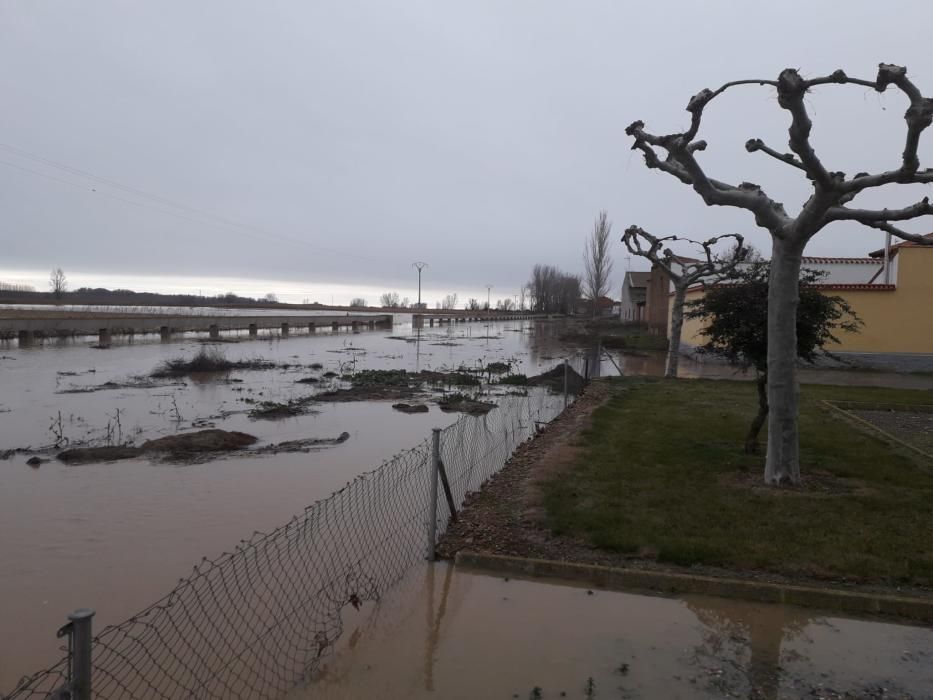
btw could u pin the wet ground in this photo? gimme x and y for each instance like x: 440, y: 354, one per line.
x: 117, y: 536
x: 452, y: 633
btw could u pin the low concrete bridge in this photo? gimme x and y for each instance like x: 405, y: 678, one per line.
x: 105, y: 325
x: 452, y: 316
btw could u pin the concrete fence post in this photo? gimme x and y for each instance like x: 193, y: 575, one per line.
x: 566, y: 380
x: 432, y: 506
x: 80, y: 641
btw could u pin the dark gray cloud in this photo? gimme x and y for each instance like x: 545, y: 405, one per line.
x: 346, y: 139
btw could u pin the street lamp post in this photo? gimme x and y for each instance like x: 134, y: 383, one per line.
x: 419, y: 266
x: 488, y: 291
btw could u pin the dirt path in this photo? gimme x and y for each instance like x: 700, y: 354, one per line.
x: 507, y: 515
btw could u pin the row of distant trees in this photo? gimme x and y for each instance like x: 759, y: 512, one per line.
x: 391, y: 300
x: 551, y: 290
x: 13, y: 287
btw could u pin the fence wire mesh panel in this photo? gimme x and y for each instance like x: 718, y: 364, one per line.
x: 259, y: 620
x: 476, y: 447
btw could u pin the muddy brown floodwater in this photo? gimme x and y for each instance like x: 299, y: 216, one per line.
x: 117, y: 536
x: 456, y: 634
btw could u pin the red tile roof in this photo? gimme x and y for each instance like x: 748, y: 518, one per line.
x: 843, y: 261
x: 830, y: 287
x: 853, y: 287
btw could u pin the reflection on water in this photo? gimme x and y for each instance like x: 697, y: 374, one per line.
x: 450, y: 633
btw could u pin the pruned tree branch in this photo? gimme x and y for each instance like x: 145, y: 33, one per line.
x: 866, y: 216
x: 692, y: 271
x: 791, y: 90
x: 832, y: 190
x: 900, y: 233
x: 753, y: 145
x: 682, y: 164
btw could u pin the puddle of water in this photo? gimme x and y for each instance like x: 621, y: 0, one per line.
x: 450, y: 633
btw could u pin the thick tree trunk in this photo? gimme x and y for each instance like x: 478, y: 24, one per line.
x: 677, y: 325
x: 783, y: 461
x: 751, y: 440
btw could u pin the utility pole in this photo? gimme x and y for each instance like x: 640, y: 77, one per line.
x: 419, y: 266
x: 488, y: 292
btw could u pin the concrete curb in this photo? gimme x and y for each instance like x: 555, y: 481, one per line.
x: 829, y: 599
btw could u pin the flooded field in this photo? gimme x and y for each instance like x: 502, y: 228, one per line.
x: 469, y: 635
x: 116, y: 536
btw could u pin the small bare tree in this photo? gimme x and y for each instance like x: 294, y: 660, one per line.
x: 389, y: 300
x: 357, y: 303
x: 832, y: 191
x: 450, y: 302
x: 58, y: 283
x: 597, y: 265
x: 683, y: 273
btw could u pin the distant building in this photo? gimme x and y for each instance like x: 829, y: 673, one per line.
x: 604, y: 307
x: 634, y: 296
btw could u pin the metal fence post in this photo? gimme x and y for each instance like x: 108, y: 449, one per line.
x: 81, y: 639
x: 432, y: 510
x: 566, y: 378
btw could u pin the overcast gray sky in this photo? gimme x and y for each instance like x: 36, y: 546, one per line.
x: 343, y: 140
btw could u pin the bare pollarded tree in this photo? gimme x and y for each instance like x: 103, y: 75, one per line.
x: 832, y: 192
x: 597, y: 265
x: 684, y: 272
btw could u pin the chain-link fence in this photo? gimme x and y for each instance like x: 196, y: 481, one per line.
x: 256, y: 621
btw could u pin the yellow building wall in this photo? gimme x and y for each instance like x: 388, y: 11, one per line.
x: 894, y: 321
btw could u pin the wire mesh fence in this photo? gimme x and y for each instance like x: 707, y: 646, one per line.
x: 260, y: 619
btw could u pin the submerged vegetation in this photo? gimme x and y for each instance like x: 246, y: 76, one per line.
x: 206, y: 360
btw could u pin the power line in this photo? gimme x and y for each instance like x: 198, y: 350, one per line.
x: 212, y: 219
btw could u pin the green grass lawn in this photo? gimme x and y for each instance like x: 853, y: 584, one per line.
x: 663, y: 475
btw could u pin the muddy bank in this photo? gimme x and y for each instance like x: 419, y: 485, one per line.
x: 304, y: 445
x: 410, y: 408
x: 177, y: 446
x: 461, y: 403
x: 199, y: 446
x: 132, y: 383
x: 553, y: 379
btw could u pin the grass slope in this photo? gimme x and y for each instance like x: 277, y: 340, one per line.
x: 663, y: 475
